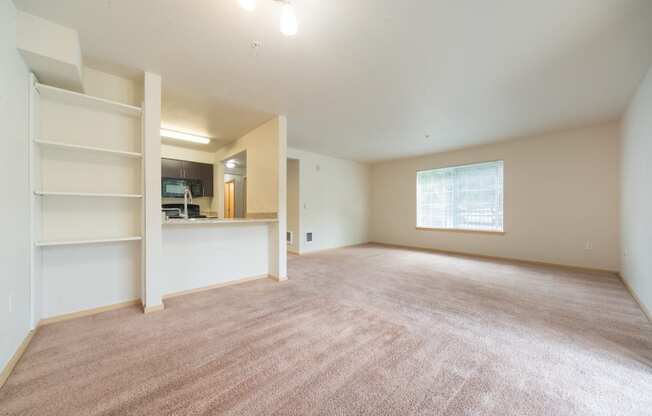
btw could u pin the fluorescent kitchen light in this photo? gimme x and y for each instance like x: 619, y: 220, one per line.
x: 177, y: 135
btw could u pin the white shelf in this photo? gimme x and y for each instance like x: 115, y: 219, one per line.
x: 49, y: 143
x: 51, y: 243
x: 88, y: 101
x: 87, y: 194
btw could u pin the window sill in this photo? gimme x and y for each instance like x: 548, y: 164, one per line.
x: 461, y: 230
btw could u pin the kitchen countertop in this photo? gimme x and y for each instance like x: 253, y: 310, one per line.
x: 201, y: 221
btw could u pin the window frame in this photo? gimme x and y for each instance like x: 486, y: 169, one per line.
x: 457, y: 230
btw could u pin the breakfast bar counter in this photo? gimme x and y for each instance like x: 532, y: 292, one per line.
x: 208, y: 252
x: 202, y: 221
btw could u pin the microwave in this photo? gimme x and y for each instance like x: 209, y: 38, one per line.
x: 174, y: 188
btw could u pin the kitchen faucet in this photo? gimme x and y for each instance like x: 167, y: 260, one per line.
x: 186, y: 195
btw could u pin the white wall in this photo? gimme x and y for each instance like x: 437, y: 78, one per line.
x: 293, y: 202
x: 51, y: 51
x: 561, y: 191
x: 197, y: 256
x: 14, y: 216
x: 334, y: 201
x: 636, y: 194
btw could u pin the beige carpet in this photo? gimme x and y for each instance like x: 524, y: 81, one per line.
x: 364, y: 330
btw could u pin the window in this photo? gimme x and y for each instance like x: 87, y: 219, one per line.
x: 466, y: 197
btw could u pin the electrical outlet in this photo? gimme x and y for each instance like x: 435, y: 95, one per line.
x: 588, y: 245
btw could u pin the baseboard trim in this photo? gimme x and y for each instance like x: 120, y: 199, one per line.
x: 87, y: 312
x: 9, y: 368
x: 503, y: 259
x: 304, y: 252
x: 646, y: 311
x: 152, y: 309
x: 216, y: 286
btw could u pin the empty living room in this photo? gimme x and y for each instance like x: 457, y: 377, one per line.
x: 305, y: 207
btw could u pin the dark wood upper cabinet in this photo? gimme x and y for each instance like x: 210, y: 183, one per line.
x: 171, y: 168
x: 191, y: 170
x: 183, y: 169
x: 206, y: 176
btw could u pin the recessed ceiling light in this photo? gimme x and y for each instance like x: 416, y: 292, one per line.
x: 289, y: 24
x: 248, y: 5
x: 178, y: 135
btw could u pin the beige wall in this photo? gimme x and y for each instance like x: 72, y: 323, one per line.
x: 184, y: 153
x: 561, y: 191
x: 112, y: 87
x: 333, y: 201
x: 262, y: 147
x: 636, y: 209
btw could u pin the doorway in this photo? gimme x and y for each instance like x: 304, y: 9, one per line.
x: 229, y: 199
x: 235, y: 186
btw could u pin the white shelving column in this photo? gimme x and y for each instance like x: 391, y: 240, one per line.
x: 151, y: 283
x: 278, y: 254
x: 87, y: 192
x: 35, y: 283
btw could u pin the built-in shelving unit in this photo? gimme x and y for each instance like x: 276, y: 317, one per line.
x: 87, y: 101
x: 84, y: 181
x: 87, y: 199
x: 76, y: 147
x: 87, y: 194
x: 80, y: 242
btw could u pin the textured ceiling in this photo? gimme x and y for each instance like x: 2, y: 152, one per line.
x: 369, y: 79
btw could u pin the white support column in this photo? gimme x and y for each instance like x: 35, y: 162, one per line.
x: 280, y: 270
x: 153, y: 233
x: 35, y: 284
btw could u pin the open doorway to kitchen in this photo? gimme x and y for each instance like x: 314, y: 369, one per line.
x: 235, y: 186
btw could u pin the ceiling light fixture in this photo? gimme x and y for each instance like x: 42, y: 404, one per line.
x: 289, y: 24
x: 177, y: 135
x: 248, y: 5
x: 230, y: 164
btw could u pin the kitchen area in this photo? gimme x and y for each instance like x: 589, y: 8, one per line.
x: 220, y: 211
x: 188, y: 188
x: 120, y: 213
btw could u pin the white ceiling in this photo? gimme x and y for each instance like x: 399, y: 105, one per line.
x: 368, y: 79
